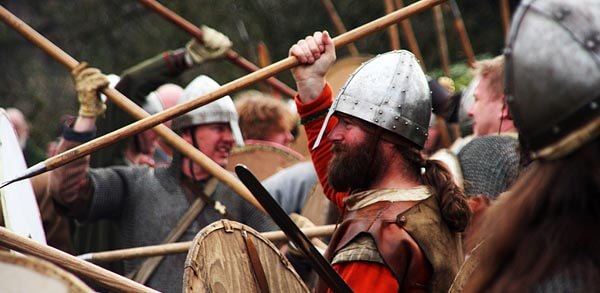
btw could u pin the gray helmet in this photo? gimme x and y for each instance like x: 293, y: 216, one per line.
x: 553, y: 74
x: 218, y: 111
x: 389, y: 91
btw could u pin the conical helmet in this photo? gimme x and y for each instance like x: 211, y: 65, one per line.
x: 389, y: 91
x: 553, y: 74
x: 218, y: 111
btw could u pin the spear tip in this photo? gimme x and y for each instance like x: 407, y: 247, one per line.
x: 34, y: 170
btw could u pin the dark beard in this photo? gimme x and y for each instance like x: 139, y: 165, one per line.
x: 355, y: 168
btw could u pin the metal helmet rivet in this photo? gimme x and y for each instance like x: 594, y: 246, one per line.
x: 556, y: 129
x: 590, y: 44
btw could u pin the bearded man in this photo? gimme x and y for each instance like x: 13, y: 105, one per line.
x: 401, y: 212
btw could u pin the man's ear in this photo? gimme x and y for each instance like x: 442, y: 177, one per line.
x: 505, y: 115
x: 478, y: 203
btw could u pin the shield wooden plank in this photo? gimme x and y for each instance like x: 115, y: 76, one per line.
x: 219, y: 261
x: 30, y: 274
x: 19, y: 205
x: 263, y: 158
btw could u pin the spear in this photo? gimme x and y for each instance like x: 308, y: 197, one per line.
x: 71, y: 263
x: 183, y: 247
x: 438, y: 19
x: 409, y: 34
x: 339, y: 25
x: 459, y: 26
x: 231, y: 55
x: 392, y: 29
x: 505, y: 14
x: 122, y: 102
x: 236, y: 85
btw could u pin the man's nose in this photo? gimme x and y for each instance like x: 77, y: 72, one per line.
x: 335, y: 134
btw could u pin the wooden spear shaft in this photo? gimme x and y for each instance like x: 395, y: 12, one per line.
x: 338, y: 24
x: 409, y: 34
x: 130, y: 107
x: 231, y: 55
x: 230, y: 87
x: 71, y: 263
x: 505, y: 14
x: 183, y: 247
x: 459, y: 26
x: 440, y: 29
x: 392, y: 29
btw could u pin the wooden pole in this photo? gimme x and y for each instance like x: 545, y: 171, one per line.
x: 392, y: 29
x: 233, y: 86
x: 438, y: 19
x: 338, y: 24
x: 231, y: 55
x: 409, y: 34
x: 459, y: 26
x: 71, y: 263
x: 130, y: 107
x: 183, y: 247
x: 505, y: 14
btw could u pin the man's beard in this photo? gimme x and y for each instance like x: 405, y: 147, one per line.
x: 356, y: 167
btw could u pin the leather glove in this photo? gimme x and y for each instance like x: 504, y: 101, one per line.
x: 88, y: 81
x: 214, y: 46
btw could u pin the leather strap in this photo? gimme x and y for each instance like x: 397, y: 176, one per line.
x: 147, y: 268
x: 257, y: 269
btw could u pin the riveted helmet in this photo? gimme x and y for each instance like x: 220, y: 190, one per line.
x: 218, y: 111
x: 553, y: 74
x: 389, y: 91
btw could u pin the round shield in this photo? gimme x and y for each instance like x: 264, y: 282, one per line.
x: 19, y: 205
x: 340, y: 71
x: 30, y: 274
x: 227, y: 256
x: 263, y: 158
x: 318, y: 208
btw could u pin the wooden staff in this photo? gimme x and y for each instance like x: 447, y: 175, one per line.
x: 130, y: 107
x: 505, y: 14
x: 71, y: 263
x: 236, y: 85
x: 438, y: 19
x: 409, y: 34
x: 338, y: 24
x: 392, y: 29
x: 459, y: 26
x: 183, y: 247
x: 231, y: 55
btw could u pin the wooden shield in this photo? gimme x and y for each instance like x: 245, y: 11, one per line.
x: 263, y: 158
x: 30, y: 274
x: 340, y: 71
x: 19, y: 205
x: 219, y: 261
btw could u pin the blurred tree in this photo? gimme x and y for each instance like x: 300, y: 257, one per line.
x: 115, y: 34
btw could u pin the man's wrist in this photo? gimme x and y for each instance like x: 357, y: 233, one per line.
x: 310, y: 89
x: 82, y: 137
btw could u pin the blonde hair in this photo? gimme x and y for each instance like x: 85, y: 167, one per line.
x: 493, y: 70
x: 261, y: 114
